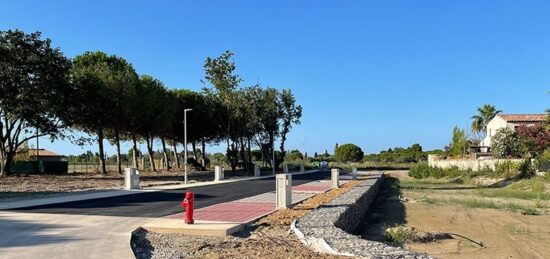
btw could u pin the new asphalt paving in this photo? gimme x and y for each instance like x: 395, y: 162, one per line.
x: 158, y: 204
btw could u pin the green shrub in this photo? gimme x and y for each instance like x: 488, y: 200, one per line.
x: 349, y: 152
x: 507, y: 169
x: 526, y: 169
x: 399, y: 234
x: 423, y: 170
x: 506, y: 143
x: 529, y: 211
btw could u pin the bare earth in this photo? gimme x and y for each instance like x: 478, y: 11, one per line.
x: 504, y: 234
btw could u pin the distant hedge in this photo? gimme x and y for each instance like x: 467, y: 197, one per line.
x: 42, y: 167
x: 503, y: 170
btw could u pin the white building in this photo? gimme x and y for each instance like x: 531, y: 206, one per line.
x: 512, y: 121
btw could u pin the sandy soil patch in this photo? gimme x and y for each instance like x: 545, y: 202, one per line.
x: 501, y: 232
x: 504, y: 234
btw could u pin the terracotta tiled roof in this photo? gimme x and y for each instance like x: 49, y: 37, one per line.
x: 42, y: 152
x: 523, y: 117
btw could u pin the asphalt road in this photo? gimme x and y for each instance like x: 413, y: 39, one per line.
x: 158, y: 204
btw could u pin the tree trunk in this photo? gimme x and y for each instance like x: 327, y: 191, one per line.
x: 118, y: 158
x: 134, y: 152
x: 194, y: 146
x: 203, y: 154
x: 7, y: 159
x: 165, y: 154
x: 249, y: 153
x: 2, y: 164
x: 233, y: 157
x: 102, y: 167
x: 150, y: 151
x: 273, y: 159
x: 243, y: 156
x: 230, y: 156
x: 176, y: 158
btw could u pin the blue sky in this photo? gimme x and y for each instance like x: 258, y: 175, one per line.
x: 376, y: 73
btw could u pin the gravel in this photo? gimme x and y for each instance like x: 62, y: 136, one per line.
x: 333, y: 222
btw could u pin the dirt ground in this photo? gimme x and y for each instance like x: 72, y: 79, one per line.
x: 501, y: 233
x: 33, y: 186
x: 270, y: 237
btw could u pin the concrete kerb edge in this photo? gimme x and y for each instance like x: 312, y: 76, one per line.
x: 317, y: 244
x: 179, y: 186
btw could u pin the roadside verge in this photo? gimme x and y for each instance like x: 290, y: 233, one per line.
x: 327, y: 229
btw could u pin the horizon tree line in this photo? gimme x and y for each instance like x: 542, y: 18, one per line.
x: 44, y: 93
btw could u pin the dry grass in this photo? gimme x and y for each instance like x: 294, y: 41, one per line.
x: 499, y: 218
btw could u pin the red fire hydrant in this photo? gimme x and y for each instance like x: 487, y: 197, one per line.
x: 188, y: 204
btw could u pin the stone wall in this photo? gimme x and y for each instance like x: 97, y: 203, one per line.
x: 327, y: 229
x: 464, y: 164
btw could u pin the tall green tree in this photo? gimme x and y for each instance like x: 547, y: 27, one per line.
x: 268, y: 112
x: 220, y: 73
x: 459, y: 143
x: 104, y: 84
x: 484, y: 114
x: 166, y: 120
x: 34, y: 91
x: 93, y: 113
x: 153, y: 121
x: 290, y: 114
x: 138, y: 100
x: 200, y: 128
x: 122, y: 80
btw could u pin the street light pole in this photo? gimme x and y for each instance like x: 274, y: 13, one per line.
x: 185, y: 141
x: 273, y: 148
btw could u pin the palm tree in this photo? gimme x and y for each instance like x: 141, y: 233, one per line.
x: 484, y: 114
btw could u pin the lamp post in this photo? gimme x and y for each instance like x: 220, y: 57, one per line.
x: 273, y: 149
x: 185, y: 142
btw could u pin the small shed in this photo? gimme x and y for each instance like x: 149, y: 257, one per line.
x: 44, y: 155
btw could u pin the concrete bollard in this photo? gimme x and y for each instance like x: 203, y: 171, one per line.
x: 285, y: 169
x: 131, y: 179
x: 284, y: 191
x: 218, y: 173
x: 354, y: 173
x: 256, y: 170
x: 302, y: 168
x: 335, y: 178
